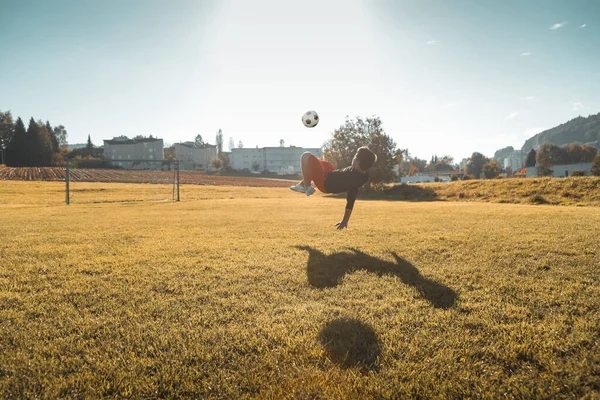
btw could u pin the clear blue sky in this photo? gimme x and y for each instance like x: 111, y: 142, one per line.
x: 445, y: 77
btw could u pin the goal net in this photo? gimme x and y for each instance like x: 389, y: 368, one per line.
x: 123, y: 181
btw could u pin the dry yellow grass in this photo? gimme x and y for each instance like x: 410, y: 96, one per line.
x: 578, y: 191
x: 250, y: 292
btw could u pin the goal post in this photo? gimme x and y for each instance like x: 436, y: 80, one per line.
x: 127, y: 173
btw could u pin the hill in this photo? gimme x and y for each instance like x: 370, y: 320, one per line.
x: 580, y: 129
x: 579, y: 191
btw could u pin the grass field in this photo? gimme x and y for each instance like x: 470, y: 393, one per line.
x: 250, y: 292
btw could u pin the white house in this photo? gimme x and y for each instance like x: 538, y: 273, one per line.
x: 282, y: 160
x: 192, y: 157
x: 247, y: 159
x: 514, y: 161
x: 130, y: 153
x: 561, y: 171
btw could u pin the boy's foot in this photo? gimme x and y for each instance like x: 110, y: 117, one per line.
x: 310, y: 190
x: 299, y: 187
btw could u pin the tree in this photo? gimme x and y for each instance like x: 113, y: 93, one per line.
x: 476, y: 163
x: 543, y: 170
x: 354, y: 133
x: 53, y: 140
x: 509, y: 171
x: 442, y: 166
x: 256, y: 166
x: 418, y: 163
x: 219, y: 141
x: 16, y: 150
x: 169, y: 153
x: 198, y: 142
x: 39, y: 145
x: 588, y: 153
x: 596, y: 166
x: 574, y: 153
x: 531, y: 157
x: 281, y: 143
x: 7, y: 128
x: 447, y: 159
x: 550, y: 154
x: 217, y: 163
x: 90, y: 145
x: 240, y: 145
x: 231, y: 144
x: 490, y: 170
x: 60, y: 133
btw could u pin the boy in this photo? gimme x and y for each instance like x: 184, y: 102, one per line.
x: 330, y: 180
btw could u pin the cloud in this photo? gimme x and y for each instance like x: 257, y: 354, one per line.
x: 512, y: 115
x: 529, y: 132
x: 583, y: 26
x: 578, y: 106
x: 455, y: 103
x: 431, y: 42
x: 527, y: 53
x: 556, y: 26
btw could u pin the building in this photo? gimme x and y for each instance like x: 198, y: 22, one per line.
x: 134, y: 153
x: 192, y: 157
x: 561, y: 171
x: 514, y: 161
x: 281, y: 160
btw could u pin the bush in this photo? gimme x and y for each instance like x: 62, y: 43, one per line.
x: 454, y: 178
x: 578, y: 172
x: 437, y: 179
x: 596, y: 166
x: 467, y: 177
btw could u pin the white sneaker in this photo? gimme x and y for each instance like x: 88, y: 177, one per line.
x: 310, y: 190
x: 299, y: 187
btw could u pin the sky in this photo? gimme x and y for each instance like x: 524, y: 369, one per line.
x: 445, y: 77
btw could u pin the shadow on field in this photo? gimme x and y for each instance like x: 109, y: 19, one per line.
x: 351, y: 343
x: 328, y: 270
x: 395, y: 192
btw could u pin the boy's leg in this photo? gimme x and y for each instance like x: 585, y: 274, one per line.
x: 306, y: 170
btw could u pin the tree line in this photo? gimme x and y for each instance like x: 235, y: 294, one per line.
x: 38, y: 145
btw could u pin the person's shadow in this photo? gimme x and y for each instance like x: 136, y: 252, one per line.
x: 328, y: 270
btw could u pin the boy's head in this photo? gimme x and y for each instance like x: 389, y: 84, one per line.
x: 364, y: 158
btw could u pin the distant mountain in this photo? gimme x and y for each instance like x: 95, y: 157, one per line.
x: 76, y: 146
x: 501, y: 154
x: 580, y: 129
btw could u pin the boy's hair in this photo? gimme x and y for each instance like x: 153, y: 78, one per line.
x: 366, y: 158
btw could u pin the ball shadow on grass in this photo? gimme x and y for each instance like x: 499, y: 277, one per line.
x: 351, y: 343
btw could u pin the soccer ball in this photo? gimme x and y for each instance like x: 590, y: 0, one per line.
x: 310, y: 119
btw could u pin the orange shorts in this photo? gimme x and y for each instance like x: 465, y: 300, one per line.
x: 317, y: 171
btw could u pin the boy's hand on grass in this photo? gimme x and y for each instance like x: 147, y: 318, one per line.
x: 341, y: 225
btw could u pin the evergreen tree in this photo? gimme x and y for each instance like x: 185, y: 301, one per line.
x: 16, y: 150
x: 90, y: 145
x: 39, y: 144
x: 531, y: 157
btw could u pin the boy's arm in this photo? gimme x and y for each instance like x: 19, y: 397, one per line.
x: 349, y: 206
x: 344, y: 222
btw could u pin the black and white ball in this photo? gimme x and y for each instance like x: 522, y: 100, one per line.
x: 310, y: 119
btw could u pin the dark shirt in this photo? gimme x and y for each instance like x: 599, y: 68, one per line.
x: 346, y: 180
